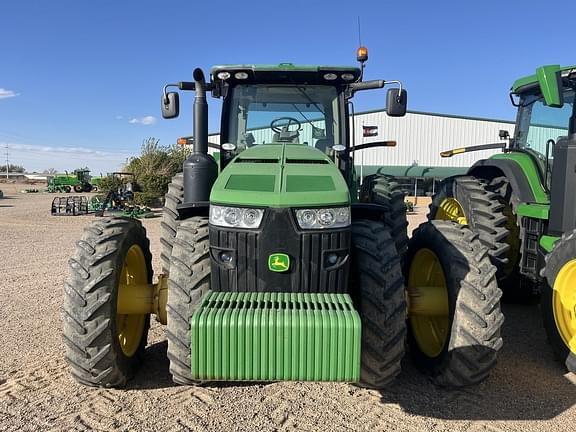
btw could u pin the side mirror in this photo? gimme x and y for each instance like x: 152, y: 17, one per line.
x: 396, y: 102
x: 170, y: 104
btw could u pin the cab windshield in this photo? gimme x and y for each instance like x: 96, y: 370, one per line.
x: 538, y: 123
x: 274, y: 114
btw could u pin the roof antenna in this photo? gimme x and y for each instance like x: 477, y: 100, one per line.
x: 361, y: 52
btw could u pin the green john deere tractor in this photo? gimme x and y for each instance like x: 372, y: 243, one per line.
x: 522, y: 203
x: 273, y: 267
x: 79, y: 182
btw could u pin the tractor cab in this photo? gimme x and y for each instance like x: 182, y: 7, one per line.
x: 285, y: 104
x: 544, y: 115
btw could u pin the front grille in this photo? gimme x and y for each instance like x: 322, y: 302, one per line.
x: 309, y: 270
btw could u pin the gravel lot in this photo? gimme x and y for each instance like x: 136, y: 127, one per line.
x: 528, y: 390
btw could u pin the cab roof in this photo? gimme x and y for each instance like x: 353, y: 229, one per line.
x: 530, y: 80
x: 285, y: 72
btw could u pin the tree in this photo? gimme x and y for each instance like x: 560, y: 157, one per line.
x: 12, y: 168
x: 50, y: 171
x: 155, y: 166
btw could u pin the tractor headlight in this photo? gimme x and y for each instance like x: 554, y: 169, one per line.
x: 236, y: 217
x: 337, y: 217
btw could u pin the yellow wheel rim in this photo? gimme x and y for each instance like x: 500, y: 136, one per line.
x: 450, y: 209
x: 129, y: 328
x: 564, y: 304
x: 428, y: 310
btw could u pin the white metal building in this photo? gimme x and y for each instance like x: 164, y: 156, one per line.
x: 420, y: 138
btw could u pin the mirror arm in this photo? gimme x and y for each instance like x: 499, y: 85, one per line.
x: 363, y: 85
x: 165, y: 91
x: 399, y: 86
x: 372, y: 145
x: 452, y: 152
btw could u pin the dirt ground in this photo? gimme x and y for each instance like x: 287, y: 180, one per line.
x: 528, y: 390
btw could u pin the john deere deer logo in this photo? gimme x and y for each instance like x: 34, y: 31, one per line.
x: 278, y: 262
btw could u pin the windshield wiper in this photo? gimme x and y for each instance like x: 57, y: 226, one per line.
x: 301, y: 90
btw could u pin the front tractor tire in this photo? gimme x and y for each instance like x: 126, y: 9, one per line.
x: 454, y: 316
x: 558, y: 303
x: 170, y: 219
x: 377, y: 288
x: 188, y: 281
x: 104, y: 347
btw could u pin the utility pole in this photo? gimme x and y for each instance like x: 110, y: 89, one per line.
x: 7, y: 169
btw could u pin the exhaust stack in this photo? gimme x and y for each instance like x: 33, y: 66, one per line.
x: 200, y: 169
x: 200, y: 119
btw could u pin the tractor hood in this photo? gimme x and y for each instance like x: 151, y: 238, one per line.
x: 281, y: 175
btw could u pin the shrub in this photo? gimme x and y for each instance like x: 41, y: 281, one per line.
x: 147, y: 199
x: 109, y: 183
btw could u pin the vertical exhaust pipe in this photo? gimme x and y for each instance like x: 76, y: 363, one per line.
x: 200, y: 169
x: 200, y: 119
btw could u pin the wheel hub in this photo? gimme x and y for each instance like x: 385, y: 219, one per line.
x: 450, y: 209
x: 428, y: 310
x: 564, y: 303
x: 130, y: 327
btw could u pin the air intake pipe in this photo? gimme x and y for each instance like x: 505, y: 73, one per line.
x: 200, y: 169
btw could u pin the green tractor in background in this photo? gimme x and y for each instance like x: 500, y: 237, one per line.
x: 522, y: 203
x: 79, y: 182
x: 275, y: 265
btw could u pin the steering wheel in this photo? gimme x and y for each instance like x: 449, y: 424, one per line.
x: 285, y: 127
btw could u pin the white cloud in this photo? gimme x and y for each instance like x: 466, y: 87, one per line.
x: 146, y: 120
x: 5, y: 94
x: 41, y: 157
x: 119, y: 117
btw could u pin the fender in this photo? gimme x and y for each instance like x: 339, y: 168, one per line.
x: 370, y: 211
x: 527, y: 191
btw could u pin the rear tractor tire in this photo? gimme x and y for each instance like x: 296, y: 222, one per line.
x: 487, y: 208
x: 558, y: 303
x: 454, y: 316
x: 105, y: 348
x: 377, y: 289
x: 170, y: 219
x: 188, y: 281
x: 382, y: 190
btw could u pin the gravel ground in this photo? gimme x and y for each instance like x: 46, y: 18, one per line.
x: 528, y: 390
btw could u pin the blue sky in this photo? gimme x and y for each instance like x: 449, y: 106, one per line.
x: 80, y: 81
